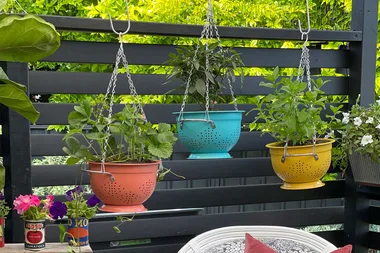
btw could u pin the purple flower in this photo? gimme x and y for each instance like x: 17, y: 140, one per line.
x: 1, y: 196
x: 58, y: 209
x: 93, y: 201
x: 69, y: 193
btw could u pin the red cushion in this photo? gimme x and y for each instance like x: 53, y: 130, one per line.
x: 345, y: 249
x: 255, y: 246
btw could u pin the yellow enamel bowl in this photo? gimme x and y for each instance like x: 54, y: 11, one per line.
x: 301, y: 172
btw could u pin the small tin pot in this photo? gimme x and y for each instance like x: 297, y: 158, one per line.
x: 34, y: 235
x: 2, y: 225
x: 78, y: 231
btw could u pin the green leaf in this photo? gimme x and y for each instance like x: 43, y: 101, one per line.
x: 116, y: 229
x: 163, y: 127
x: 2, y: 4
x: 164, y: 150
x: 72, y: 160
x: 31, y: 38
x: 275, y: 73
x: 4, y: 79
x: 166, y: 137
x: 268, y: 85
x: 2, y: 176
x: 196, y: 65
x: 73, y: 144
x: 16, y: 99
x: 97, y: 136
x: 210, y: 77
x: 62, y: 232
x: 77, y: 119
x: 200, y: 86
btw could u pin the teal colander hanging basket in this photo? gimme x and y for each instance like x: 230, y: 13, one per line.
x: 209, y: 140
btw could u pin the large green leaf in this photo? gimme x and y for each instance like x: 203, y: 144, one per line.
x: 4, y: 79
x: 26, y: 39
x: 16, y: 99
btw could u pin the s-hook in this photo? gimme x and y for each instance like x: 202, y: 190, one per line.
x: 308, y: 23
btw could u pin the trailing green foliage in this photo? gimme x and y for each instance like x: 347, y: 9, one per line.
x: 291, y: 113
x: 192, y: 60
x: 130, y: 137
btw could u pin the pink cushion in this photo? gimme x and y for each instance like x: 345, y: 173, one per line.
x: 345, y: 249
x: 255, y: 246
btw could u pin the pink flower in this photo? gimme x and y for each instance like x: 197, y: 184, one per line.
x: 34, y: 200
x: 22, y: 203
x: 48, y: 202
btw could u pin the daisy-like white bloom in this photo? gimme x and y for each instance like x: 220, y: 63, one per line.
x: 346, y: 118
x: 329, y: 135
x: 367, y: 139
x: 378, y: 102
x: 369, y: 120
x: 357, y: 121
x: 378, y: 126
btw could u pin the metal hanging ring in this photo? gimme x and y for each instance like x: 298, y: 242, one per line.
x: 129, y: 22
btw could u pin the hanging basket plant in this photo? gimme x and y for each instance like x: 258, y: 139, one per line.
x: 361, y: 140
x: 292, y: 115
x: 206, y: 71
x: 123, y: 150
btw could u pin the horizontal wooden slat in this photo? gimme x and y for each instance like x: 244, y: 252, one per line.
x: 47, y: 175
x: 167, y: 248
x: 336, y: 237
x: 193, y: 225
x: 374, y: 240
x: 143, y: 54
x: 51, y: 144
x: 235, y: 195
x: 51, y: 82
x: 374, y: 217
x: 155, y: 113
x: 238, y: 195
x: 165, y: 29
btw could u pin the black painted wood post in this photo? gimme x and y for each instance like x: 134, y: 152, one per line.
x: 16, y: 154
x: 362, y: 81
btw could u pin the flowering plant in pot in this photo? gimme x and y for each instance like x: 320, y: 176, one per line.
x: 205, y: 70
x: 123, y: 153
x: 79, y: 211
x: 34, y: 212
x: 360, y: 139
x: 4, y: 211
x: 292, y: 115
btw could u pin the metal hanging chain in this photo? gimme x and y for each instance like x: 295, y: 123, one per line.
x: 303, y: 67
x: 110, y: 93
x: 207, y: 33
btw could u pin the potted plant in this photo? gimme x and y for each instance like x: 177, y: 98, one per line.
x: 209, y: 133
x: 4, y: 211
x: 79, y: 211
x: 360, y: 140
x: 292, y: 115
x: 34, y: 212
x: 132, y: 148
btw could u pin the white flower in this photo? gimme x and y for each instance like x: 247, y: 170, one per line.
x: 378, y: 102
x: 346, y: 118
x: 367, y: 139
x: 357, y: 121
x: 329, y: 135
x: 378, y: 126
x: 369, y: 120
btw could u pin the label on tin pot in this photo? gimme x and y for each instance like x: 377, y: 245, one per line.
x: 34, y: 234
x: 78, y: 228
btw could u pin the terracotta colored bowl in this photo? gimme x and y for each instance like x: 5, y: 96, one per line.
x: 133, y: 185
